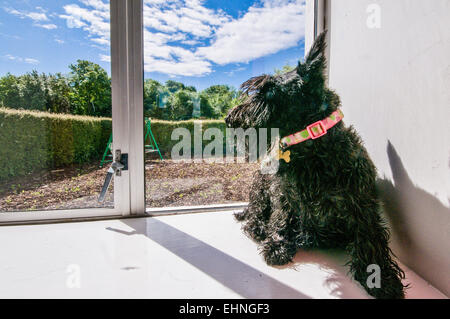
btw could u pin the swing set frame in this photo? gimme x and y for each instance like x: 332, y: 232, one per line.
x: 149, y: 148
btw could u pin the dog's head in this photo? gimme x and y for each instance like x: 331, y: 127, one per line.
x: 289, y: 101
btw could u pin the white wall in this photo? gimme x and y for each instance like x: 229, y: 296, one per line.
x: 394, y: 82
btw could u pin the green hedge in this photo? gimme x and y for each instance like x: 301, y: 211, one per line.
x: 30, y: 141
x: 162, y: 131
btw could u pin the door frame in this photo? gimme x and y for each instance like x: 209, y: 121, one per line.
x: 127, y: 72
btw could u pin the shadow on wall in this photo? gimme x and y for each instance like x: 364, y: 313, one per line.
x: 420, y: 225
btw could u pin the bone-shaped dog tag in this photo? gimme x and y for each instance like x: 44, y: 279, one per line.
x: 286, y: 156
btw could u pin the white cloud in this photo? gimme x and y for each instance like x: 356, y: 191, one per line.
x: 96, y: 4
x: 73, y: 22
x: 21, y: 60
x: 172, y: 24
x: 10, y: 57
x: 184, y: 38
x: 101, y: 41
x: 39, y: 17
x: 31, y: 61
x: 48, y: 26
x: 94, y: 19
x: 232, y: 72
x: 173, y: 60
x: 35, y: 16
x: 188, y: 16
x: 105, y: 58
x: 265, y: 30
x: 191, y: 42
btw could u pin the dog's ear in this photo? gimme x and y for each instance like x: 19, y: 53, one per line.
x: 315, y: 61
x: 254, y: 84
x: 317, y: 52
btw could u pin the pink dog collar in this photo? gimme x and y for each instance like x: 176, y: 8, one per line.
x: 313, y: 131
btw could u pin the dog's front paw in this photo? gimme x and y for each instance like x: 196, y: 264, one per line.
x: 277, y: 253
x: 241, y: 216
x: 255, y: 229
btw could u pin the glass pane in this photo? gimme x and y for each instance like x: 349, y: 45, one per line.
x: 55, y: 104
x: 197, y: 55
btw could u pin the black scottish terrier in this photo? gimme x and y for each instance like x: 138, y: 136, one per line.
x: 326, y: 196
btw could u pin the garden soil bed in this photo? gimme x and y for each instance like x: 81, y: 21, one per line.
x: 168, y: 184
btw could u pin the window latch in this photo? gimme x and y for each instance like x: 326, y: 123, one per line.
x: 119, y: 165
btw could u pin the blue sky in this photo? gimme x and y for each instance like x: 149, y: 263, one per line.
x: 197, y: 42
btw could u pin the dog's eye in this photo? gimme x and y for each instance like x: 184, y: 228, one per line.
x: 270, y: 94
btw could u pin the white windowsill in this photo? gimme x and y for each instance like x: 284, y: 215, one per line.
x: 181, y: 256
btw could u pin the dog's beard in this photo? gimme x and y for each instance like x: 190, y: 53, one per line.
x: 270, y: 162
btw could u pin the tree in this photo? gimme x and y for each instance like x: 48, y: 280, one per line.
x: 10, y: 91
x: 207, y: 110
x: 285, y: 69
x: 191, y: 89
x: 174, y: 86
x: 24, y: 92
x: 180, y: 106
x: 35, y: 91
x: 217, y: 100
x: 86, y: 90
x: 91, y: 89
x: 58, y: 94
x: 153, y: 91
x: 32, y: 91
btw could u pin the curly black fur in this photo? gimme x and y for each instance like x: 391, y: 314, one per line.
x: 326, y: 196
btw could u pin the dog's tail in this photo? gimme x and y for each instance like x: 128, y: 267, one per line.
x: 372, y: 263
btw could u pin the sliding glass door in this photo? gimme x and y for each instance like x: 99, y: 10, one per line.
x: 196, y: 56
x: 129, y: 97
x: 71, y: 110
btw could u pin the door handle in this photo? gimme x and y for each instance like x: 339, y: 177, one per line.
x: 119, y: 164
